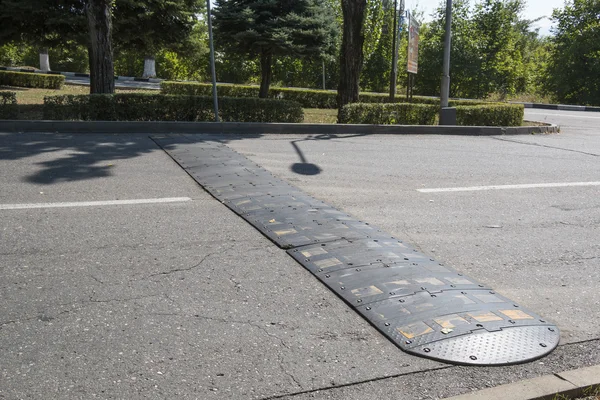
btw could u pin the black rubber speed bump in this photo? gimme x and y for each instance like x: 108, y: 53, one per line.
x: 425, y: 308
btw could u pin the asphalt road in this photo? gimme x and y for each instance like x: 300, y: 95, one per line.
x: 182, y: 299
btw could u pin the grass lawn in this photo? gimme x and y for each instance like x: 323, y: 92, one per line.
x: 320, y: 116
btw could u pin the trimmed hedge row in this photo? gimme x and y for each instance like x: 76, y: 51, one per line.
x: 425, y: 114
x: 8, y: 105
x: 160, y: 107
x: 308, y: 98
x: 490, y: 115
x: 396, y: 114
x: 24, y: 79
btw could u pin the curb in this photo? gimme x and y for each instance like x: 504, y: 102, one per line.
x: 16, y: 126
x: 573, y: 383
x: 563, y: 107
x: 80, y: 75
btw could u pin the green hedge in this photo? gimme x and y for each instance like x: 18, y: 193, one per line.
x: 159, y: 107
x: 8, y: 105
x: 398, y: 114
x: 426, y: 114
x: 308, y: 98
x: 490, y: 115
x: 30, y: 80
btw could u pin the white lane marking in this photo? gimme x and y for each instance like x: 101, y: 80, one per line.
x: 550, y: 114
x: 502, y: 187
x: 93, y: 203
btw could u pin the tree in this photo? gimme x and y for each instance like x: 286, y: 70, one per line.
x: 100, y: 46
x: 42, y: 23
x: 151, y: 26
x: 269, y: 28
x: 574, y: 66
x: 378, y: 46
x: 492, y: 49
x: 351, y: 53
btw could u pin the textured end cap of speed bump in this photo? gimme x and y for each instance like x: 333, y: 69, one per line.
x: 508, y: 346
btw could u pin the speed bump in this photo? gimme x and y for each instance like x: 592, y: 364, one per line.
x: 425, y: 308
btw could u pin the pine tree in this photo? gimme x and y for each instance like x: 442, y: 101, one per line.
x: 269, y: 28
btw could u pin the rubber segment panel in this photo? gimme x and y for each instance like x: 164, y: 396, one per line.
x: 425, y: 308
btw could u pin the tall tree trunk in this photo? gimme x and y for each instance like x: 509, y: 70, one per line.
x: 351, y: 54
x: 44, y: 59
x: 266, y: 63
x: 102, y: 78
x: 149, y: 67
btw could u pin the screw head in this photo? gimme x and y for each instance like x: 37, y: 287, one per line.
x: 426, y: 349
x: 408, y: 342
x: 387, y: 324
x: 401, y: 300
x: 543, y: 344
x: 359, y: 301
x: 368, y: 308
x: 342, y: 287
x: 327, y: 276
x: 551, y: 329
x: 473, y: 358
x: 511, y: 321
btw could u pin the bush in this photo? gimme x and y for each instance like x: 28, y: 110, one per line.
x: 308, y: 98
x: 160, y: 107
x: 398, y: 114
x: 490, y: 115
x: 8, y: 105
x: 425, y: 114
x: 30, y: 80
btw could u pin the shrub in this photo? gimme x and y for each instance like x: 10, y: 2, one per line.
x: 399, y: 114
x: 308, y: 98
x: 160, y: 107
x: 490, y: 115
x: 8, y: 105
x: 30, y: 80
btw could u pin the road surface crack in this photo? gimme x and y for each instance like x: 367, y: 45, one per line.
x: 546, y: 146
x: 172, y: 271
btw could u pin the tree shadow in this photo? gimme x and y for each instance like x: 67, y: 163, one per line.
x: 77, y: 157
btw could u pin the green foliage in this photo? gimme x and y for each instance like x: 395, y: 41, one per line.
x: 397, y: 114
x: 490, y: 115
x: 377, y: 48
x: 426, y: 114
x: 300, y: 28
x: 574, y: 66
x: 43, y: 23
x: 30, y: 80
x: 493, y: 50
x: 306, y: 97
x: 8, y: 105
x: 159, y: 107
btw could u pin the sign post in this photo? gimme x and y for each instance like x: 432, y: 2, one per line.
x: 447, y: 114
x: 398, y: 17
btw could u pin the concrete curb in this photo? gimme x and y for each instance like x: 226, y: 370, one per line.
x: 81, y: 75
x: 263, y: 128
x: 574, y: 383
x: 563, y: 107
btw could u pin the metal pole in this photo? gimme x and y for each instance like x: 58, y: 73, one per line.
x: 324, y: 74
x: 394, y: 72
x: 446, y: 75
x: 212, y: 62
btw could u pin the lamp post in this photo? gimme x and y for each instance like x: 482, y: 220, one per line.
x: 212, y: 62
x: 447, y: 114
